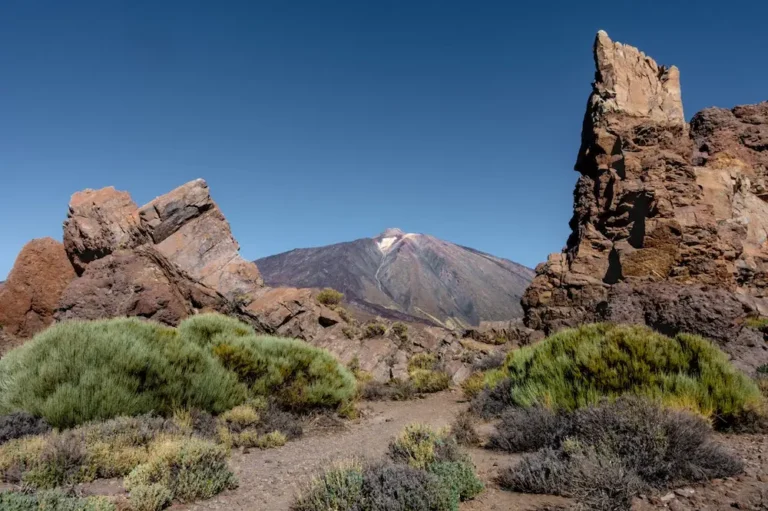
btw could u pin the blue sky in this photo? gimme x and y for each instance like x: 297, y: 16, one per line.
x: 322, y: 121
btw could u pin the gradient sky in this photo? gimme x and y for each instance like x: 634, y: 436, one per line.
x: 322, y: 121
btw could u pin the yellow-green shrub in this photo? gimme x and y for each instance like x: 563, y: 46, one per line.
x: 580, y: 366
x: 189, y: 468
x: 329, y: 296
x: 292, y: 372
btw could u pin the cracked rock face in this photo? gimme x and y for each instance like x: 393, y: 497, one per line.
x: 29, y: 297
x: 660, y: 202
x: 184, y: 225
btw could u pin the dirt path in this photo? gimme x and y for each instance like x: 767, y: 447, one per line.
x: 269, y: 479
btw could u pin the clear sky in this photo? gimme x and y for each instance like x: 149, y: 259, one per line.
x: 322, y: 121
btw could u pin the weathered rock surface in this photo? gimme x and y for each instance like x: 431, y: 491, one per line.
x: 139, y: 282
x: 100, y: 222
x: 189, y: 229
x: 184, y: 225
x: 293, y: 312
x: 660, y: 202
x: 29, y: 297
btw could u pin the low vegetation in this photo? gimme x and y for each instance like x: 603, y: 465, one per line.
x: 19, y: 424
x: 329, y: 296
x: 426, y: 373
x: 81, y: 371
x: 756, y: 322
x: 180, y: 469
x: 579, y: 367
x: 426, y: 470
x: 211, y: 384
x: 605, y: 454
x: 393, y: 390
x: 400, y: 330
x: 372, y: 330
x: 142, y: 448
x: 77, y: 372
x: 53, y: 501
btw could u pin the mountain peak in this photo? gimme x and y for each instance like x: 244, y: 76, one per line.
x: 390, y: 233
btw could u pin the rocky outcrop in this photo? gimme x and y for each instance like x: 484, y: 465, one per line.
x: 139, y: 282
x: 30, y: 296
x: 100, y: 222
x: 184, y: 225
x: 175, y: 257
x: 669, y: 224
x: 188, y: 228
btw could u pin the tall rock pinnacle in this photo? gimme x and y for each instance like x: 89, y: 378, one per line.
x: 669, y: 222
x: 629, y: 82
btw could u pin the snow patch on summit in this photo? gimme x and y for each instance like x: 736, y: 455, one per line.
x: 385, y: 244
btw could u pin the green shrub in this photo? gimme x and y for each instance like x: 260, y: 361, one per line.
x: 763, y: 369
x: 150, y: 497
x: 473, y: 385
x: 349, y: 332
x: 338, y: 488
x: 101, y: 450
x: 425, y: 380
x: 374, y: 330
x: 460, y: 477
x: 400, y: 330
x: 204, y: 329
x: 579, y: 367
x: 291, y: 372
x: 756, y: 322
x: 426, y: 374
x: 429, y: 473
x: 62, y: 461
x: 423, y: 361
x: 80, y: 371
x: 191, y: 469
x: 419, y: 446
x: 329, y: 296
x: 52, y: 501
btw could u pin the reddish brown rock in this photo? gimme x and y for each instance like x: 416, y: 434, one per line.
x: 658, y: 201
x: 139, y: 282
x: 100, y: 222
x: 29, y: 297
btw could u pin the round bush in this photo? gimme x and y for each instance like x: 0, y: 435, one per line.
x: 292, y: 372
x: 579, y: 367
x: 81, y: 371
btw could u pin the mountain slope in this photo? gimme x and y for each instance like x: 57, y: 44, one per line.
x: 415, y: 274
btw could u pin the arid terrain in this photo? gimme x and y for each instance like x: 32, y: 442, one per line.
x: 147, y: 365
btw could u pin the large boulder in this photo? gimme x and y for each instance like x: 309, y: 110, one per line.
x: 100, y: 222
x: 184, y: 225
x: 28, y: 299
x: 189, y: 229
x: 139, y: 282
x: 660, y: 202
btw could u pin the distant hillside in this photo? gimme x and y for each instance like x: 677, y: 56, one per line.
x: 415, y: 274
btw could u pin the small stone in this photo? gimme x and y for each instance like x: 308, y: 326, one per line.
x: 666, y: 498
